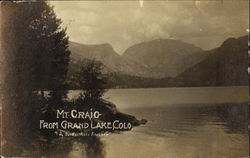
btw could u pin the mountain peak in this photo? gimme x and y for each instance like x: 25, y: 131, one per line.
x: 232, y: 40
x: 166, y: 56
x: 161, y: 45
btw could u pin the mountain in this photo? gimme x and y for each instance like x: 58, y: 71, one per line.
x: 166, y: 57
x: 154, y: 59
x: 224, y: 66
x: 106, y: 54
x: 138, y: 66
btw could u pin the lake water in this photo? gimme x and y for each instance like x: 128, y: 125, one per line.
x: 202, y: 122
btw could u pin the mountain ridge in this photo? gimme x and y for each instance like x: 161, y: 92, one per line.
x: 173, y: 66
x: 225, y: 65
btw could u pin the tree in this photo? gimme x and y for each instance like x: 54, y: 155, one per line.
x: 39, y: 50
x: 91, y: 78
x: 51, y: 54
x: 36, y: 56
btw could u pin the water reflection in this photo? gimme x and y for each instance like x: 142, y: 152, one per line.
x: 186, y: 118
x: 71, y: 147
x: 87, y: 147
x: 195, y: 130
x: 173, y: 130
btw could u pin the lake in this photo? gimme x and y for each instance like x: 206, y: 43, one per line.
x: 202, y: 122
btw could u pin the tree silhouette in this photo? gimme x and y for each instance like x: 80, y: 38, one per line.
x: 91, y: 78
x: 36, y: 56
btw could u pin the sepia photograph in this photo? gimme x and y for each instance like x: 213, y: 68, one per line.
x: 124, y: 78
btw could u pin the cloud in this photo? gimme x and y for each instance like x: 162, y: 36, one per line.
x: 124, y: 23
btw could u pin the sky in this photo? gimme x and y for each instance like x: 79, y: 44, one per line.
x: 122, y: 24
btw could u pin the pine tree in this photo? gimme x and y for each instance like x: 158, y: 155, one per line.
x: 36, y: 56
